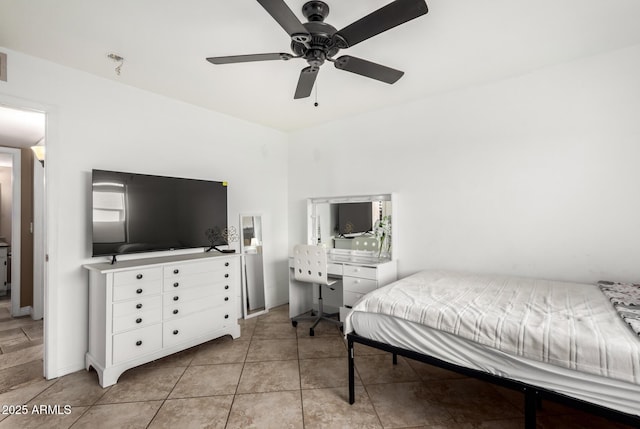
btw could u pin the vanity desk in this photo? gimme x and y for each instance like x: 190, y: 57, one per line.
x: 362, y: 262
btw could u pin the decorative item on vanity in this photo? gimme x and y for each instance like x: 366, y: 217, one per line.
x: 382, y: 231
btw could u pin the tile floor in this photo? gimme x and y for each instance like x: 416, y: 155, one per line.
x: 276, y: 376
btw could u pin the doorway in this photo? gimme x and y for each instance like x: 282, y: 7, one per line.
x: 21, y: 243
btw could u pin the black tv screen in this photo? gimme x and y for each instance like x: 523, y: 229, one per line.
x: 355, y: 218
x: 142, y: 213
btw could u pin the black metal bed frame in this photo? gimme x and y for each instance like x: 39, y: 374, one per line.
x: 533, y: 395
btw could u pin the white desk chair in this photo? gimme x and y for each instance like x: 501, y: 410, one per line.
x: 310, y: 265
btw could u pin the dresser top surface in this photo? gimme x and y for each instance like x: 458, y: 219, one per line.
x: 107, y: 267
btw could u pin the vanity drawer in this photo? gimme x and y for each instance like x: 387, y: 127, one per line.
x: 137, y: 276
x: 136, y: 320
x: 334, y: 269
x: 130, y: 345
x: 360, y: 285
x: 136, y: 305
x: 194, y: 325
x: 362, y: 272
x: 182, y: 269
x: 138, y: 289
x: 195, y: 293
x: 349, y: 299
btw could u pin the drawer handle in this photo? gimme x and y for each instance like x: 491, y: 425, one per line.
x: 176, y: 271
x: 138, y: 343
x: 175, y: 298
x: 226, y: 276
x: 138, y: 320
x: 226, y: 264
x: 139, y: 291
x: 176, y: 284
x: 226, y: 316
x: 138, y: 306
x: 139, y: 276
x: 175, y: 311
x: 175, y: 332
x: 226, y: 287
x: 226, y: 298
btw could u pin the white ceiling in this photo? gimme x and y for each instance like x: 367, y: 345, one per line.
x: 165, y: 43
x: 20, y: 128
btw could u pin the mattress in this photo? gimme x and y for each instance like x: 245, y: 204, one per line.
x: 562, y: 336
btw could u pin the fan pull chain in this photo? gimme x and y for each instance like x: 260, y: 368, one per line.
x: 316, y: 101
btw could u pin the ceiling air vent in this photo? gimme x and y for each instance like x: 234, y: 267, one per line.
x: 3, y: 66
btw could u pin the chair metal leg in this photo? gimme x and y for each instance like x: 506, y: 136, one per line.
x: 319, y: 317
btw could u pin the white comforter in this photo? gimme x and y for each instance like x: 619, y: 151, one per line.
x: 567, y: 324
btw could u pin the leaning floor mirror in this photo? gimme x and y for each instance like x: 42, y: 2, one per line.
x: 251, y: 246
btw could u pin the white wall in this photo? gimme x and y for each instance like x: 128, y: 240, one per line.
x: 98, y: 123
x: 536, y: 175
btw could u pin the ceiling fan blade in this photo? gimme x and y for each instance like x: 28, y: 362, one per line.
x: 306, y: 81
x: 248, y: 58
x: 368, y: 69
x: 279, y: 10
x: 383, y: 19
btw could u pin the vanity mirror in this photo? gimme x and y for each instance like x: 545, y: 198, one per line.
x: 354, y: 226
x: 251, y: 248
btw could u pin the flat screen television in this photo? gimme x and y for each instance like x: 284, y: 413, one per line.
x: 355, y: 218
x: 134, y: 213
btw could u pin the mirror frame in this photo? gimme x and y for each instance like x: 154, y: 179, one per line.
x: 245, y: 309
x: 312, y: 216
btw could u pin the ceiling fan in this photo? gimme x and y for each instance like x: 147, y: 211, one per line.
x: 316, y: 41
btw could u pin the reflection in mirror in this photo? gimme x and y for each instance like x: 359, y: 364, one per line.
x: 253, y: 267
x: 353, y: 225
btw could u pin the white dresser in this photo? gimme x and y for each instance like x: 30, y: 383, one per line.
x: 145, y: 309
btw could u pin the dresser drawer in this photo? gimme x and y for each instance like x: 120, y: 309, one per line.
x: 139, y: 342
x: 198, y: 279
x: 349, y: 299
x: 197, y: 324
x: 179, y: 309
x: 356, y: 284
x: 181, y: 269
x: 145, y: 317
x: 136, y: 306
x: 136, y: 276
x: 362, y: 272
x: 138, y: 289
x: 179, y: 296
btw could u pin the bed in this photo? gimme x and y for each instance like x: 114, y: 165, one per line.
x: 551, y: 340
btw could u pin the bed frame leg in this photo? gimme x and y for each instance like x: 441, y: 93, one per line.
x: 531, y: 401
x: 352, y: 392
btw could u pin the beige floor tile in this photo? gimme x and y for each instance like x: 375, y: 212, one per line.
x: 223, y: 350
x: 272, y: 410
x: 377, y: 369
x: 321, y: 347
x: 44, y: 418
x: 321, y: 330
x: 129, y: 415
x: 264, y: 350
x: 20, y: 374
x: 326, y: 372
x: 24, y: 343
x: 22, y: 356
x: 34, y: 332
x: 471, y: 400
x: 9, y: 334
x: 269, y: 376
x: 274, y: 316
x: 247, y: 328
x: 408, y: 404
x: 180, y: 359
x: 143, y: 384
x: 362, y: 350
x: 23, y: 393
x: 271, y: 331
x: 209, y: 412
x: 329, y: 408
x: 208, y: 380
x: 77, y: 389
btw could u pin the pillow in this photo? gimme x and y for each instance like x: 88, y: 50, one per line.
x: 625, y: 298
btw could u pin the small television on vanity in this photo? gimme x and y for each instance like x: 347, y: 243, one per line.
x: 134, y: 213
x: 355, y: 218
